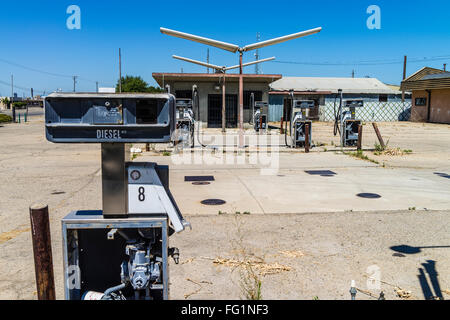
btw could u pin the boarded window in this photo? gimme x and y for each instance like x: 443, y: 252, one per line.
x: 183, y: 94
x: 247, y: 94
x: 421, y: 102
x: 383, y: 98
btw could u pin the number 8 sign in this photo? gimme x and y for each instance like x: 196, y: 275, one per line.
x: 144, y: 199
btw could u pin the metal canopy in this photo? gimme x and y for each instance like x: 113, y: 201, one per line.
x: 218, y: 44
x: 219, y: 68
x: 232, y: 47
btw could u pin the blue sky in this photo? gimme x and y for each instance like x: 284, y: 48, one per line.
x: 34, y: 34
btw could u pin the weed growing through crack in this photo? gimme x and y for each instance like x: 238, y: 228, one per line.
x: 249, y: 280
x: 360, y: 155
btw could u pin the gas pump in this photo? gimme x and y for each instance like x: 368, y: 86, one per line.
x: 185, y: 121
x: 122, y: 251
x: 299, y: 122
x: 260, y: 111
x: 345, y: 121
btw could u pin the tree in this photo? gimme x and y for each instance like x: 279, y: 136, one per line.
x: 136, y: 84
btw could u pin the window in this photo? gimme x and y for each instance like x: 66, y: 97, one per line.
x: 183, y: 94
x: 247, y: 94
x: 383, y: 98
x: 421, y: 102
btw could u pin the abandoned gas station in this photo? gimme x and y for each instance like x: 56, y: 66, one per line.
x: 209, y: 86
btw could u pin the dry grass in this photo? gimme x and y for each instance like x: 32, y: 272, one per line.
x: 260, y: 267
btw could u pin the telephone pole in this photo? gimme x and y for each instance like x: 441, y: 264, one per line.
x: 12, y: 86
x: 74, y: 82
x: 120, y: 71
x: 257, y: 54
x: 96, y: 86
x: 207, y: 59
x: 445, y: 67
x: 404, y: 76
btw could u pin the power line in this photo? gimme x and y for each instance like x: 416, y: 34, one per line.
x: 366, y: 63
x: 21, y: 87
x: 42, y: 71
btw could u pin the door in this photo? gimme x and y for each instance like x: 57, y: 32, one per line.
x: 215, y: 110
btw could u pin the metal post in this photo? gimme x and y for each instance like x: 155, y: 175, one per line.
x: 307, y: 137
x: 114, y: 183
x: 281, y: 125
x: 42, y: 250
x: 224, y: 114
x: 14, y: 113
x: 241, y: 103
x: 380, y: 138
x: 360, y: 131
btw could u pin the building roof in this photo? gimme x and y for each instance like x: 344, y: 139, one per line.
x: 161, y: 78
x: 427, y: 79
x: 348, y: 85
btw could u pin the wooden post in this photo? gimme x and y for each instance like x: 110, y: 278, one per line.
x: 42, y: 250
x: 281, y: 125
x: 360, y: 132
x: 380, y: 138
x: 307, y: 137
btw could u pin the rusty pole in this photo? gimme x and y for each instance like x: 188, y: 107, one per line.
x: 241, y: 103
x: 307, y: 137
x: 380, y: 138
x: 42, y: 250
x: 360, y: 132
x: 281, y: 125
x: 223, y: 106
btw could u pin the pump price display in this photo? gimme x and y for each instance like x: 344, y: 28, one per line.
x: 144, y: 199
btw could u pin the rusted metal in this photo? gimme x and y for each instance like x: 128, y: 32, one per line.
x: 307, y: 137
x: 360, y: 132
x: 42, y: 250
x: 281, y: 125
x: 147, y: 147
x: 241, y: 104
x: 223, y: 106
x: 380, y: 138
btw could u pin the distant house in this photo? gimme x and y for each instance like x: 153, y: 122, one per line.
x: 430, y: 95
x: 324, y: 91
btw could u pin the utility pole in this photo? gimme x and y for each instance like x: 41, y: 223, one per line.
x: 445, y: 67
x: 12, y: 86
x: 96, y: 86
x: 257, y: 54
x: 74, y: 82
x: 404, y: 76
x: 353, y: 73
x: 207, y: 59
x: 120, y: 71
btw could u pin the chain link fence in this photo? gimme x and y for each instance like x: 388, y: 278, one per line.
x: 372, y: 111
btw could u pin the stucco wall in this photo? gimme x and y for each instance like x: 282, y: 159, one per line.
x: 440, y: 106
x: 419, y: 113
x: 439, y: 110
